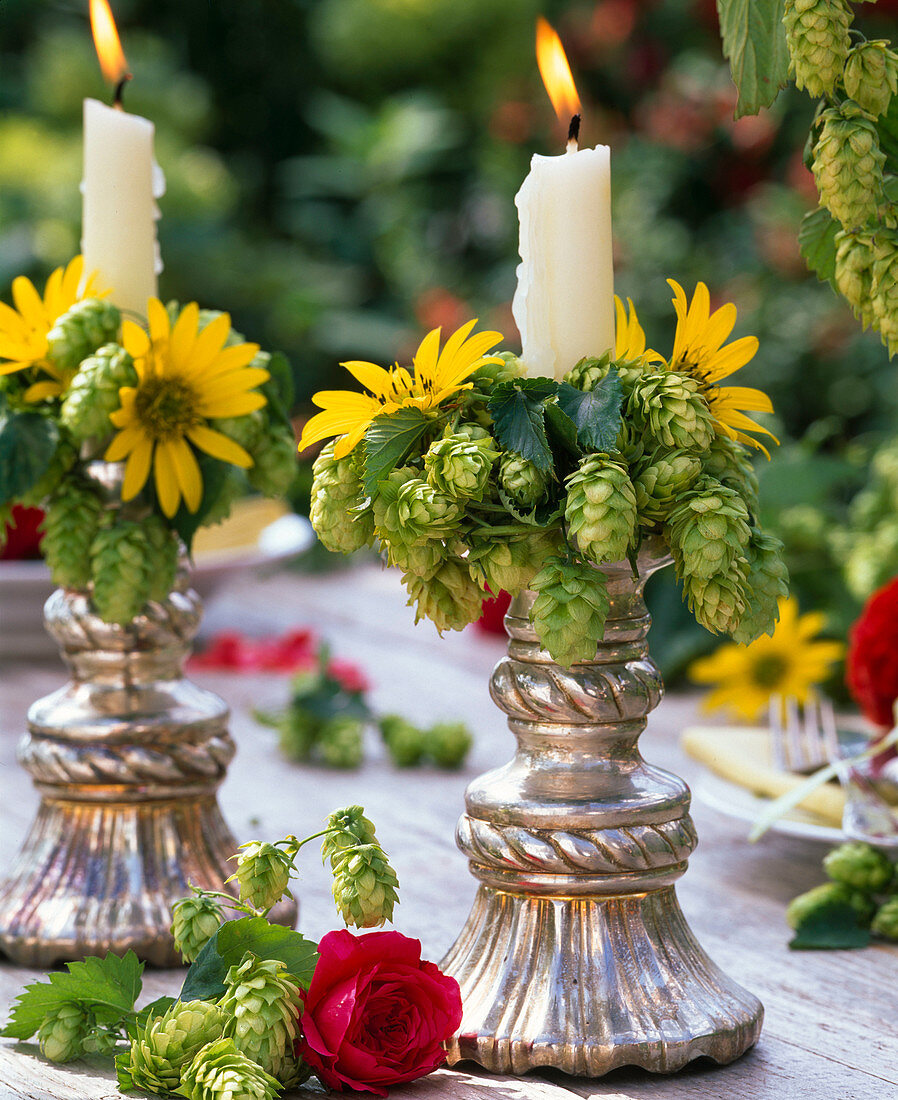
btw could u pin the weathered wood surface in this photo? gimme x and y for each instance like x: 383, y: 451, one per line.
x: 830, y: 1031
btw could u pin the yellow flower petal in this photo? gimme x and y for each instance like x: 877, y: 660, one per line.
x: 124, y: 443
x: 238, y: 405
x: 372, y: 377
x: 42, y: 391
x: 134, y: 340
x: 166, y: 480
x: 159, y: 321
x: 137, y: 469
x: 183, y: 337
x: 187, y: 471
x: 28, y: 301
x: 218, y: 445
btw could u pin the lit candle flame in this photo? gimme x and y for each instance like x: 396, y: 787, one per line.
x: 555, y: 71
x: 106, y: 40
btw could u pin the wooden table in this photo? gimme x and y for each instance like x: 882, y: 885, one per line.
x: 830, y: 1031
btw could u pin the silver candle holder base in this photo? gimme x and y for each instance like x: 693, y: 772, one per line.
x: 576, y: 954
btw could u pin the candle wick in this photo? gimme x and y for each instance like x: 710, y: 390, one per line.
x: 120, y: 92
x: 573, y: 134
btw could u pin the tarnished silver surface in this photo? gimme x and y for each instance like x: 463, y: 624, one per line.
x: 576, y: 954
x: 127, y: 756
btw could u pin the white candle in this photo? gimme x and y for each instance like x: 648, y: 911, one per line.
x: 121, y: 184
x: 564, y: 303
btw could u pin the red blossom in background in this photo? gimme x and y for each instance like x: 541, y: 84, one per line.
x: 230, y: 651
x: 23, y: 535
x: 375, y: 1014
x: 871, y: 670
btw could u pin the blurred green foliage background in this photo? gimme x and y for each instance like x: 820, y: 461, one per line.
x: 341, y: 176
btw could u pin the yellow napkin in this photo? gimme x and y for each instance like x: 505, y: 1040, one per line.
x: 240, y: 531
x: 742, y: 755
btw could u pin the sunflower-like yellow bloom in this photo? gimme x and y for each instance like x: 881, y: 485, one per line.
x: 23, y: 330
x: 791, y: 662
x: 185, y: 376
x: 629, y: 335
x: 437, y: 375
x: 700, y: 350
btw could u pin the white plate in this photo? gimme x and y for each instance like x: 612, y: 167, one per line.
x: 26, y: 585
x: 743, y: 805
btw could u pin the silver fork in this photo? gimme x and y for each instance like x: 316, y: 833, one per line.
x: 803, y: 739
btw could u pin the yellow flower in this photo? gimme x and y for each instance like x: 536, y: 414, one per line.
x: 185, y: 375
x: 23, y: 330
x: 700, y: 350
x: 629, y: 342
x: 437, y: 375
x: 791, y: 662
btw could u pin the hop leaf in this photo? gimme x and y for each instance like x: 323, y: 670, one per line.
x: 63, y: 460
x: 195, y: 920
x: 79, y: 332
x: 70, y: 527
x: 860, y: 866
x: 262, y: 1003
x: 166, y: 1043
x: 219, y: 1071
x: 336, y: 490
x: 93, y: 393
x: 848, y: 164
x: 365, y: 885
x: 817, y: 34
x: 601, y: 508
x: 570, y: 609
x: 871, y: 76
x: 263, y: 873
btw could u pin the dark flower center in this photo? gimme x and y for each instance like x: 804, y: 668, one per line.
x: 768, y: 671
x: 166, y: 407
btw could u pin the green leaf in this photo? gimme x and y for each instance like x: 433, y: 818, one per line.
x: 562, y: 432
x: 205, y: 979
x: 831, y: 926
x: 817, y: 243
x: 27, y: 445
x: 112, y: 984
x: 388, y: 440
x: 596, y: 415
x: 754, y: 43
x: 279, y: 390
x: 518, y: 410
x: 887, y: 128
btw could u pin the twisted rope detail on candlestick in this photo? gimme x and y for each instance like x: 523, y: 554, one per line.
x: 600, y: 851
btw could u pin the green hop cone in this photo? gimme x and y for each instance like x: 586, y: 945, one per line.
x: 818, y: 39
x: 450, y: 597
x: 195, y: 920
x: 340, y: 742
x: 274, y: 462
x: 708, y: 529
x: 510, y: 564
x: 262, y: 1006
x: 219, y: 1071
x: 365, y: 886
x: 419, y: 561
x: 64, y: 458
x: 336, y: 490
x: 885, y: 288
x: 70, y: 527
x: 848, y: 165
x: 63, y: 1031
x: 885, y: 920
x: 871, y: 75
x: 449, y: 743
x: 162, y: 552
x: 475, y: 433
x: 589, y: 373
x: 727, y: 461
x: 459, y: 467
x: 80, y: 331
x: 206, y: 316
x: 405, y: 742
x: 346, y: 828
x: 100, y: 1041
x: 297, y: 733
x: 670, y: 409
x: 525, y: 483
x: 423, y: 512
x: 248, y: 430
x: 93, y: 393
x: 601, y: 508
x: 166, y: 1043
x: 492, y: 374
x: 570, y: 609
x: 825, y: 895
x: 766, y: 583
x: 122, y: 564
x: 718, y: 603
x: 262, y: 874
x: 233, y: 486
x: 661, y: 481
x: 860, y: 866
x: 855, y: 253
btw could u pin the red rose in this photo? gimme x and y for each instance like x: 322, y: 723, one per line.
x: 376, y: 1015
x: 872, y: 663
